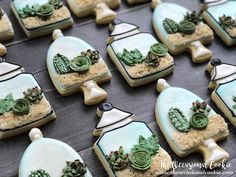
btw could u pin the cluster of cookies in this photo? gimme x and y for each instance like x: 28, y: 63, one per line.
x: 187, y: 122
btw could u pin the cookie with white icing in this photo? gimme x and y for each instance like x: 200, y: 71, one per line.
x: 220, y: 15
x: 223, y: 83
x: 6, y: 30
x: 190, y: 125
x: 74, y: 65
x: 138, y: 55
x: 51, y: 158
x: 23, y: 104
x: 41, y: 17
x: 100, y: 8
x: 128, y: 148
x: 182, y: 30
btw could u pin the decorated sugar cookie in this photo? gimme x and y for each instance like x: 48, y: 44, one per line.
x: 139, y: 57
x: 100, y: 8
x: 75, y: 65
x: 6, y: 30
x: 190, y: 125
x: 51, y: 158
x: 41, y: 17
x: 137, y: 1
x: 223, y: 81
x: 182, y: 30
x: 220, y: 15
x: 3, y: 50
x: 128, y: 148
x: 23, y: 104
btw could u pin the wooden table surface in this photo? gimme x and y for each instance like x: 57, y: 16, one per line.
x: 76, y: 121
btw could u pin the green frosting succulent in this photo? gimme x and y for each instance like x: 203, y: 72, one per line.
x: 160, y: 49
x: 227, y: 22
x: 141, y: 160
x: 74, y: 169
x: 178, y: 120
x: 92, y: 55
x: 61, y: 64
x: 1, y: 13
x: 39, y: 173
x: 150, y: 144
x: 186, y: 27
x: 199, y: 121
x: 130, y: 58
x: 21, y: 106
x: 80, y: 64
x: 234, y: 100
x: 152, y: 59
x: 118, y: 160
x: 200, y: 107
x: 28, y: 11
x: 6, y: 104
x: 57, y: 4
x: 34, y: 95
x: 45, y: 11
x: 193, y: 17
x: 170, y: 26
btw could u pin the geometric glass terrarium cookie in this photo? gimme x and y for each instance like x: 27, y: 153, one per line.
x: 139, y: 57
x: 100, y: 8
x: 182, y: 30
x: 190, y: 125
x: 220, y: 15
x: 22, y: 102
x: 6, y: 30
x: 41, y: 17
x: 74, y: 66
x: 223, y: 81
x: 47, y: 157
x: 129, y: 148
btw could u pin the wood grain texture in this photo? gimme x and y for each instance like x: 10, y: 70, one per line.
x: 76, y: 121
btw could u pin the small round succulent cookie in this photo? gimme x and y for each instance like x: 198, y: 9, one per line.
x: 138, y: 154
x: 41, y: 17
x: 6, y: 30
x: 65, y: 162
x: 190, y: 125
x: 77, y: 68
x: 182, y: 30
x: 100, y: 8
x: 220, y: 16
x: 138, y: 55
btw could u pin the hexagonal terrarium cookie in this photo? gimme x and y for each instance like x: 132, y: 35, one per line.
x: 41, y: 17
x: 74, y: 66
x: 129, y: 148
x: 139, y: 57
x: 51, y: 158
x: 190, y: 125
x: 6, y: 30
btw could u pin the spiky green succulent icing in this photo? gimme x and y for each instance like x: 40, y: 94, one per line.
x: 45, y: 11
x: 141, y: 160
x: 118, y: 160
x: 33, y: 95
x: 1, y: 13
x: 74, y: 169
x: 227, y: 22
x: 200, y: 107
x: 61, y: 64
x: 170, y: 26
x: 193, y: 17
x: 21, y: 106
x: 57, y: 4
x: 152, y: 59
x: 234, y: 100
x: 6, y: 104
x: 39, y: 173
x: 94, y: 56
x: 80, y: 64
x: 178, y: 119
x: 186, y: 27
x: 130, y: 58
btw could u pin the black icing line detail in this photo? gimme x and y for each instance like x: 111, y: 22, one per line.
x: 213, y: 79
x: 131, y: 114
x: 222, y: 99
x: 221, y: 27
x: 123, y: 65
x: 19, y: 67
x: 137, y: 27
x: 97, y: 143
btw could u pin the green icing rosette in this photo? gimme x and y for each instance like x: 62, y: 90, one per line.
x: 186, y: 27
x: 199, y: 121
x: 45, y: 11
x: 74, y: 169
x: 159, y: 49
x: 56, y: 3
x: 141, y: 160
x: 80, y: 64
x: 39, y: 173
x: 21, y: 106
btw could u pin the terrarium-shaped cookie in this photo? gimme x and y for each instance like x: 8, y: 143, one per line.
x: 6, y: 30
x: 220, y: 15
x: 190, y: 125
x: 223, y: 81
x: 41, y: 17
x: 138, y: 55
x: 182, y: 30
x: 23, y: 104
x: 47, y: 157
x: 100, y: 8
x: 129, y: 148
x: 74, y: 66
